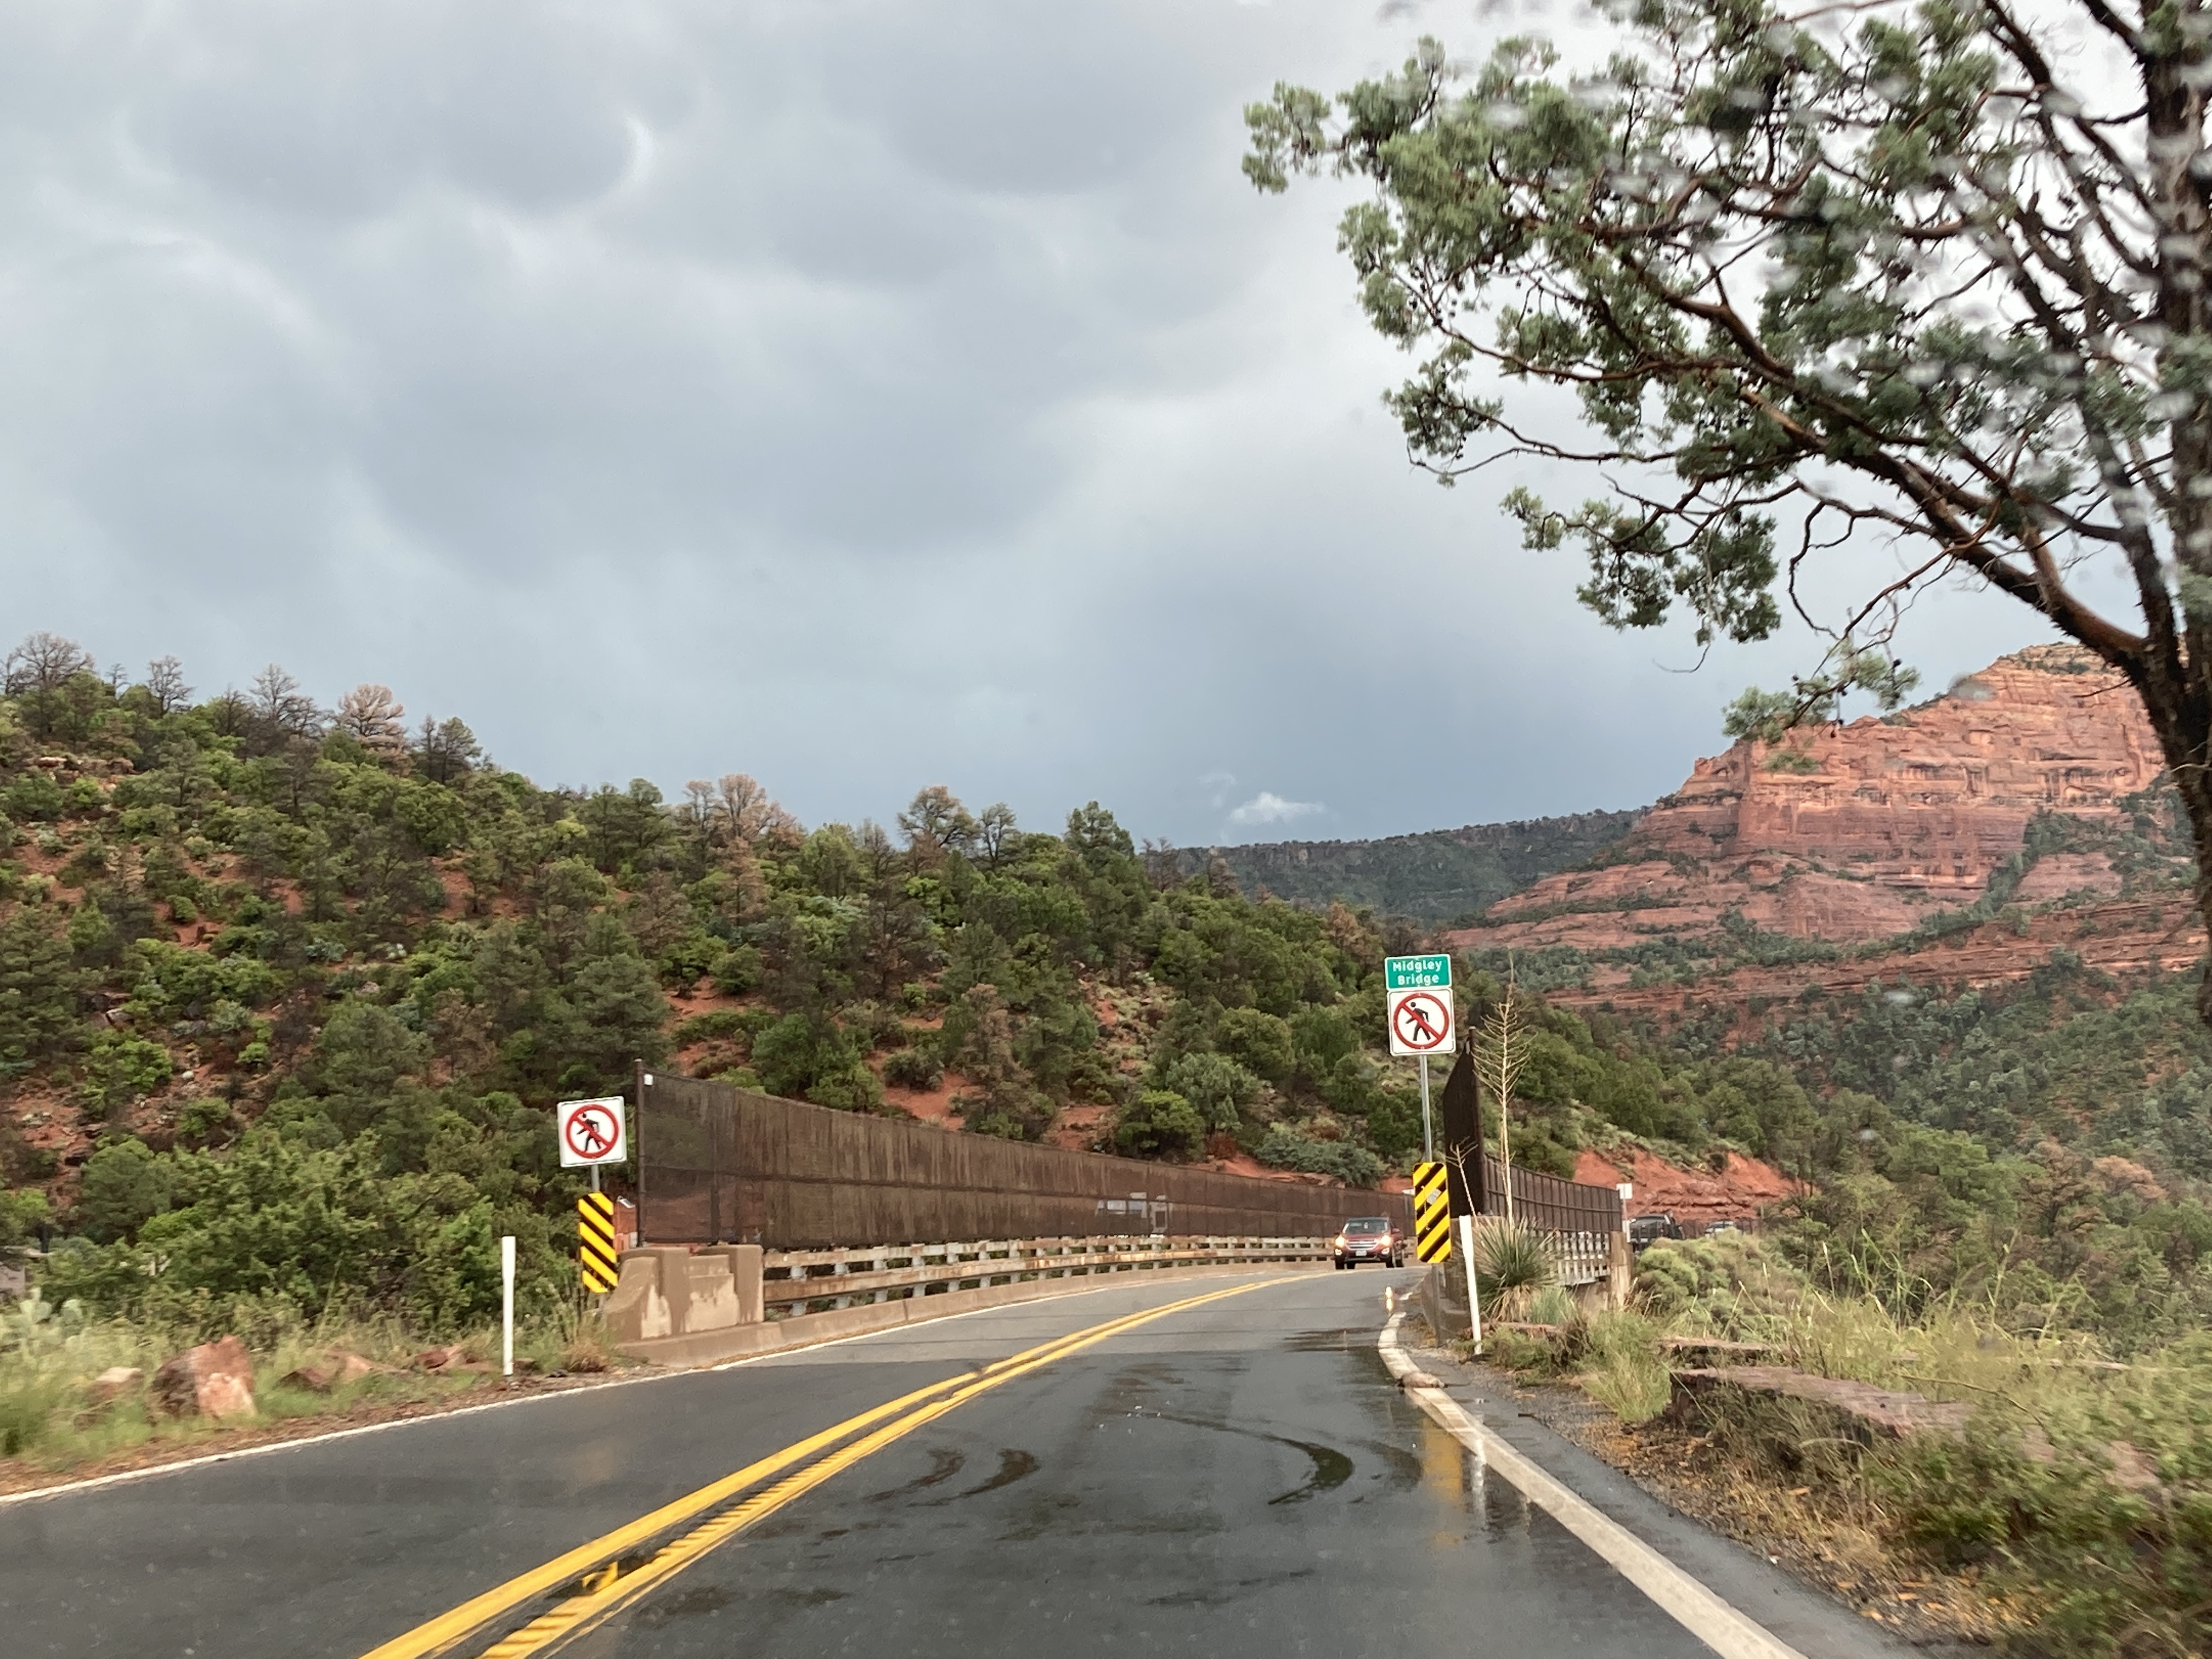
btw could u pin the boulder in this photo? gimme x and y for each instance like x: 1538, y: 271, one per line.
x: 215, y: 1379
x: 335, y: 1370
x: 454, y: 1358
x: 115, y: 1381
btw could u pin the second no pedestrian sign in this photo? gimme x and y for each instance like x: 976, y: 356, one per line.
x: 1417, y: 1005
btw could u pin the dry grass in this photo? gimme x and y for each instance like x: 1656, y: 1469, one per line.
x: 53, y: 1422
x: 2072, y: 1515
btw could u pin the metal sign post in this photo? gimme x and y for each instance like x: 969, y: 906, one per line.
x: 1416, y: 1011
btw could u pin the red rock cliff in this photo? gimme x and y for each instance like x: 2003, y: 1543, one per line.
x: 1853, y: 833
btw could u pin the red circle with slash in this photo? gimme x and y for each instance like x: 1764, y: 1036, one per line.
x: 590, y: 1133
x: 1423, y: 1020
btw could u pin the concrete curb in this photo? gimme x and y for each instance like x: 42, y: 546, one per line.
x: 807, y: 1330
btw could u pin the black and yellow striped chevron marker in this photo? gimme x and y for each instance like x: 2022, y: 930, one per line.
x: 1432, y: 1214
x: 595, y: 1242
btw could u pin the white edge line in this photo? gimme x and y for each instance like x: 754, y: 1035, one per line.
x: 155, y: 1470
x: 1689, y: 1603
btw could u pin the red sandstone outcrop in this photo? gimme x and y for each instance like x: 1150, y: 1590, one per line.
x: 1854, y: 833
x: 1736, y: 1192
x: 215, y: 1379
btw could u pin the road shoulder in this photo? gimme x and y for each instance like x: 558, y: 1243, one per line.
x: 1760, y: 1589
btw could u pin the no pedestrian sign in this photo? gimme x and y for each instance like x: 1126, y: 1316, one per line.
x: 1417, y: 1005
x: 591, y: 1131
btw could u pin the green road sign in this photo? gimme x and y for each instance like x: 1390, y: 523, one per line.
x: 1416, y: 973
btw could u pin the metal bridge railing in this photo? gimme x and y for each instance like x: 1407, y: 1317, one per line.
x: 815, y: 1281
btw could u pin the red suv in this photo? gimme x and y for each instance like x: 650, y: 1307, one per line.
x: 1369, y: 1238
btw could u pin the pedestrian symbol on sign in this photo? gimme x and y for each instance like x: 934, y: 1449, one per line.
x: 1421, y: 1021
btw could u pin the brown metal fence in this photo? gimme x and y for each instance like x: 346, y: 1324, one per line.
x: 720, y: 1164
x: 1550, y: 1203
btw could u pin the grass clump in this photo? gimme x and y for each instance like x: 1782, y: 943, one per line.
x: 1624, y: 1370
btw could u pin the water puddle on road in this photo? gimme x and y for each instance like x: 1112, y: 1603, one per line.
x: 1331, y: 1469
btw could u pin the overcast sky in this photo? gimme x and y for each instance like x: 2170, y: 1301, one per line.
x: 858, y: 393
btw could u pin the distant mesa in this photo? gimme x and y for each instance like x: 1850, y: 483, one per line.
x: 1438, y: 876
x: 2033, y: 781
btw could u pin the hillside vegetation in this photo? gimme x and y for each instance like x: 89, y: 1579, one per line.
x: 286, y: 992
x: 1435, y: 875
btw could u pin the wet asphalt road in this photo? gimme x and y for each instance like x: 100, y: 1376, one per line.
x: 1242, y: 1478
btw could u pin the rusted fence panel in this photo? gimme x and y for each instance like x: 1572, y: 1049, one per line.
x: 720, y: 1164
x: 1550, y: 1203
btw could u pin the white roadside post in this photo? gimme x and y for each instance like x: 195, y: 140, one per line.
x: 1474, y: 1295
x: 506, y: 1308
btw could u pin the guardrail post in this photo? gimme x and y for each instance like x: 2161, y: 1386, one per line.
x: 745, y: 1262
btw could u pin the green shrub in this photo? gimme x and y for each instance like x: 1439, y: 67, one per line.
x: 736, y: 971
x: 1728, y: 1285
x: 1286, y: 1148
x: 1159, y: 1123
x: 1216, y: 1086
x: 852, y: 1088
x: 916, y: 1067
x: 28, y: 1405
x: 715, y: 1025
x: 125, y: 1183
x: 123, y: 1069
x: 22, y: 1212
x: 1554, y: 1306
x: 34, y: 798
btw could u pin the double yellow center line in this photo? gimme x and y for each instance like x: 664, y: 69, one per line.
x: 608, y: 1580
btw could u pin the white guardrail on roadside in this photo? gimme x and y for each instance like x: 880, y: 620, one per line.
x: 814, y: 1281
x: 1584, y: 1258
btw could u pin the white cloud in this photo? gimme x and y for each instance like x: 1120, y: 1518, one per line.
x: 1268, y: 807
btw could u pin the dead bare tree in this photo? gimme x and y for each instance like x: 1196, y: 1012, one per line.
x: 372, y: 717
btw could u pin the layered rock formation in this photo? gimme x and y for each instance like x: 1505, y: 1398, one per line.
x: 1852, y: 834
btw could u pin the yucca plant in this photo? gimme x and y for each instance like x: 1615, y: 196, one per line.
x: 1513, y: 1262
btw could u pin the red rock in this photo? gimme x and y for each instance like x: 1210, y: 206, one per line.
x: 213, y: 1380
x: 339, y: 1368
x: 1738, y: 1191
x: 1888, y: 822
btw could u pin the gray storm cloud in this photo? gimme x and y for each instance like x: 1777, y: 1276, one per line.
x: 861, y: 395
